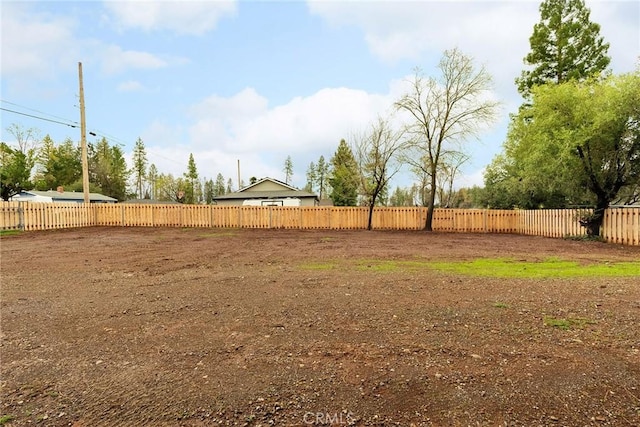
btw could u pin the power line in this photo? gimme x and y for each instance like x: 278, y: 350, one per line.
x: 37, y: 111
x: 70, y: 122
x: 40, y: 118
x: 76, y: 125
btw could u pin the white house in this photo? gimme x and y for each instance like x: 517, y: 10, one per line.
x: 268, y: 192
x: 60, y: 196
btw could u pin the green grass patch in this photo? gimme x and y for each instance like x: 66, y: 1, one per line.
x: 499, y: 304
x: 549, y: 268
x: 491, y: 267
x: 5, y: 419
x: 566, y: 324
x: 4, y: 233
x: 318, y: 266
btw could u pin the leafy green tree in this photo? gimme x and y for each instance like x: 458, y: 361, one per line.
x: 229, y: 188
x: 288, y: 170
x: 565, y: 45
x: 139, y: 166
x: 403, y: 196
x: 469, y: 198
x: 15, y: 171
x: 171, y: 189
x: 344, y: 177
x: 17, y: 162
x: 580, y: 136
x: 443, y: 112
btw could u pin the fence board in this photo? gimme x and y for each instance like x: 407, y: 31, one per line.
x: 11, y: 216
x: 621, y: 225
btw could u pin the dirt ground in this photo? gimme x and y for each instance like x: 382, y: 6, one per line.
x: 202, y: 327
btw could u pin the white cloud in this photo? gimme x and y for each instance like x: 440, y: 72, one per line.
x: 244, y: 127
x: 188, y: 17
x: 495, y: 33
x: 115, y: 60
x: 130, y: 86
x: 35, y: 45
x: 620, y: 27
x: 244, y: 123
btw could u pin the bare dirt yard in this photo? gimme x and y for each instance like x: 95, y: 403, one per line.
x: 212, y: 327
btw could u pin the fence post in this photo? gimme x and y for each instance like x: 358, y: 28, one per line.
x: 484, y: 220
x: 20, y: 216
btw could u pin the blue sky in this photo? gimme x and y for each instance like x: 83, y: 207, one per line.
x: 258, y: 81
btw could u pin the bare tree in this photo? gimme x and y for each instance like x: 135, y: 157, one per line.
x: 26, y: 140
x: 443, y: 112
x: 375, y: 152
x: 449, y: 168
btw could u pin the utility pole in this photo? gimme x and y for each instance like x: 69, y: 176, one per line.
x: 83, y: 140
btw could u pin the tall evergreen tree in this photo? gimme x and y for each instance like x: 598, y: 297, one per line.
x: 109, y: 170
x: 322, y: 177
x: 59, y: 165
x: 208, y: 191
x: 344, y: 176
x: 565, y: 45
x: 191, y: 176
x: 311, y: 178
x: 139, y: 166
x: 288, y: 170
x: 152, y: 179
x: 219, y: 189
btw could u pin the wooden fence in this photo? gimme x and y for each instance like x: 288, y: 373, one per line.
x: 621, y: 225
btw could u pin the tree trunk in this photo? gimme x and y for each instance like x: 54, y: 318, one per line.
x: 428, y: 226
x: 593, y: 222
x: 369, y: 223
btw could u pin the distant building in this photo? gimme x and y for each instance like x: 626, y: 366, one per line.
x: 60, y: 196
x: 268, y: 192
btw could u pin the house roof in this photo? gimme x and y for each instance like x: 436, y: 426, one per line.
x: 70, y: 195
x: 266, y: 195
x: 152, y: 202
x: 286, y: 192
x: 284, y: 184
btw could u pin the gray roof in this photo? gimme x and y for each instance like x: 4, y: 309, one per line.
x: 152, y: 202
x: 71, y: 195
x: 280, y: 194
